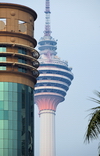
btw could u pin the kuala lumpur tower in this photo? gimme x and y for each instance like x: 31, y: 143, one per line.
x: 52, y: 84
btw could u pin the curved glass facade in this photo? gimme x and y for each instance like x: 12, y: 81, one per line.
x: 16, y: 119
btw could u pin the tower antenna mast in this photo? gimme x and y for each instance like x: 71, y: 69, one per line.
x: 47, y: 31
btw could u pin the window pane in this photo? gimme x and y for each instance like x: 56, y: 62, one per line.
x: 5, y: 124
x: 14, y: 95
x: 1, y: 104
x: 10, y: 97
x: 1, y: 124
x: 5, y: 114
x: 10, y: 151
x: 5, y: 105
x: 14, y: 86
x: 14, y: 115
x: 2, y: 68
x: 5, y: 152
x: 1, y: 86
x: 6, y: 86
x: 2, y: 49
x: 19, y: 50
x: 1, y: 134
x: 10, y: 134
x: 5, y: 135
x: 20, y: 60
x: 1, y: 145
x: 6, y: 96
x: 14, y: 106
x: 14, y: 135
x: 10, y: 115
x: 2, y: 59
x: 14, y: 125
x: 5, y: 143
x: 22, y: 51
x: 20, y: 69
x: 10, y: 127
x: 10, y: 86
x: 10, y: 105
x: 1, y: 115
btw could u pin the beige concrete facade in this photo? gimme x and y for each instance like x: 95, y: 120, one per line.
x: 17, y: 37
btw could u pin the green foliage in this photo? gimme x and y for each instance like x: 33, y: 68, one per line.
x: 93, y: 129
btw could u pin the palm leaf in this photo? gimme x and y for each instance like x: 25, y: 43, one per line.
x: 93, y: 129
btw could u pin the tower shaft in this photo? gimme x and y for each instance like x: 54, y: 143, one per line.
x: 47, y: 133
x: 51, y: 88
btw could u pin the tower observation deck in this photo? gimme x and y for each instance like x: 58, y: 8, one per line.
x: 51, y: 88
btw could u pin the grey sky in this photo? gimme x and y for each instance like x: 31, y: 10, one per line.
x: 76, y: 25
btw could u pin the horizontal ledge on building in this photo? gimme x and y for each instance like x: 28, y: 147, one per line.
x: 23, y: 46
x: 14, y: 34
x: 21, y: 65
x: 24, y: 65
x: 19, y: 55
x: 19, y: 7
x: 16, y: 77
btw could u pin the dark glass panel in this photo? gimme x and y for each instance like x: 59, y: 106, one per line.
x: 5, y: 114
x: 1, y: 115
x: 10, y: 86
x: 10, y: 126
x: 10, y: 133
x: 10, y: 103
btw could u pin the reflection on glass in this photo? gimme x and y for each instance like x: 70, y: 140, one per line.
x: 16, y: 120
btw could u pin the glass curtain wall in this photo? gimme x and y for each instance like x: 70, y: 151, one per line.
x: 16, y: 119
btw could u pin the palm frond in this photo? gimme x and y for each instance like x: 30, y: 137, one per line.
x: 93, y: 129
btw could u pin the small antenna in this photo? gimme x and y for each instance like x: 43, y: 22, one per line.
x: 47, y: 31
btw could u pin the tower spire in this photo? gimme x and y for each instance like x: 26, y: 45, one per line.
x: 47, y: 31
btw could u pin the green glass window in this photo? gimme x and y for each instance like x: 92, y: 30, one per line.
x: 1, y: 145
x: 22, y: 51
x: 22, y: 61
x: 2, y: 59
x: 5, y: 152
x: 1, y: 96
x: 1, y: 124
x: 5, y: 124
x: 23, y: 70
x: 2, y: 67
x: 2, y: 49
x: 5, y: 105
x: 1, y: 105
x: 1, y: 134
x: 16, y: 122
x: 5, y: 135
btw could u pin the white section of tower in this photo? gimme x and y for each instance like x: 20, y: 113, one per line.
x: 47, y: 133
x: 51, y: 88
